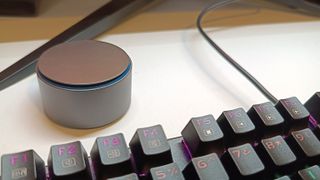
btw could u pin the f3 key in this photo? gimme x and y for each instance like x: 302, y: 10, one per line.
x: 110, y: 156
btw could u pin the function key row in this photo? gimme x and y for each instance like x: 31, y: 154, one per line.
x: 297, y: 156
x: 111, y: 158
x: 265, y: 140
x: 235, y: 127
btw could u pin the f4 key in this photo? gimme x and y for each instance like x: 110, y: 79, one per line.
x: 150, y: 148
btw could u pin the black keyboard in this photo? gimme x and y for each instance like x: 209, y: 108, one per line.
x: 268, y: 141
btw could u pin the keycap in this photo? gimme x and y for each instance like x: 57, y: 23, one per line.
x: 69, y: 161
x: 110, y: 156
x: 296, y: 116
x: 313, y: 106
x: 167, y: 172
x: 26, y: 165
x: 277, y: 155
x: 305, y: 145
x: 205, y: 167
x: 237, y: 127
x: 243, y: 162
x: 150, y: 148
x: 203, y: 136
x: 132, y: 176
x: 267, y: 120
x: 311, y: 173
x: 283, y: 178
x: 316, y: 131
x: 178, y: 152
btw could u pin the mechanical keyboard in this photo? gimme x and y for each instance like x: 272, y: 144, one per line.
x: 268, y: 141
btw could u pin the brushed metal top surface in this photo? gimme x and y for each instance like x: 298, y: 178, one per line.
x: 85, y: 62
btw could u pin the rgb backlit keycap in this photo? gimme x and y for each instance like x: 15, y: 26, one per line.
x: 178, y: 152
x: 203, y: 136
x: 296, y: 116
x: 267, y: 120
x: 313, y: 106
x: 305, y: 145
x: 69, y: 161
x: 111, y: 157
x: 283, y: 178
x: 242, y: 162
x: 25, y: 165
x: 167, y: 172
x: 205, y: 167
x: 132, y: 176
x: 150, y: 148
x: 277, y: 155
x: 316, y: 131
x: 311, y: 173
x: 237, y: 127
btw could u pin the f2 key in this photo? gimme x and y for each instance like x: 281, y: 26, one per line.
x: 69, y: 161
x: 25, y: 165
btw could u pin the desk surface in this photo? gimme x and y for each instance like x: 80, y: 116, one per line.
x: 187, y: 78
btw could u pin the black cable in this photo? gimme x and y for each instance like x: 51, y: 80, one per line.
x: 244, y: 72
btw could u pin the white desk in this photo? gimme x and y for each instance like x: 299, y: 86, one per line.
x: 176, y: 76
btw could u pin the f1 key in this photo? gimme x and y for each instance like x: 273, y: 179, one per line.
x: 69, y: 161
x: 150, y: 148
x: 111, y: 157
x: 25, y: 165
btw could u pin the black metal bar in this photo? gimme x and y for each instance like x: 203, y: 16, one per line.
x: 91, y: 26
